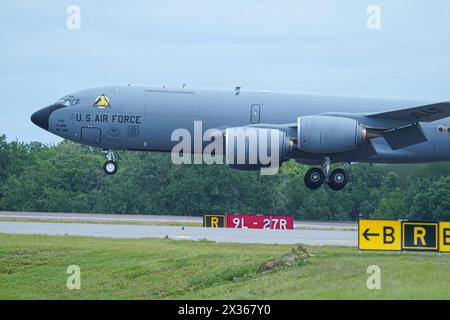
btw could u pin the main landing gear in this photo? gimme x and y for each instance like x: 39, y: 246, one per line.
x: 336, y: 180
x: 110, y: 167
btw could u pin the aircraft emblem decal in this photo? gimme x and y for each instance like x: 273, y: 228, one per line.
x: 102, y: 102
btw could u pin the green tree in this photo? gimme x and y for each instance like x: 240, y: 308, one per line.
x: 68, y: 177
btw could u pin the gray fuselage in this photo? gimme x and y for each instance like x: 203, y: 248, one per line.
x: 141, y: 118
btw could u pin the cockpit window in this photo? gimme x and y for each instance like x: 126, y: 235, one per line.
x: 68, y: 101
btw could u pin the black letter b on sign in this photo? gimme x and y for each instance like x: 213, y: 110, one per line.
x: 388, y: 235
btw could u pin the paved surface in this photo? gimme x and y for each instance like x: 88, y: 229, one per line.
x: 154, y: 218
x: 308, y: 237
x: 98, y: 217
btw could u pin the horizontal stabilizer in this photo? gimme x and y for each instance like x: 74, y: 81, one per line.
x: 404, y: 137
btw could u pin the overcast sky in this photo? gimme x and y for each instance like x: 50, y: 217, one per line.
x: 319, y: 47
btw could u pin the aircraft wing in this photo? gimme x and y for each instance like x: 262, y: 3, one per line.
x: 406, y: 135
x: 400, y: 127
x: 425, y: 113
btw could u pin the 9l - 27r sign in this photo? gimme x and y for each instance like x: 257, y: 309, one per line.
x: 397, y: 235
x: 244, y: 221
x: 259, y: 222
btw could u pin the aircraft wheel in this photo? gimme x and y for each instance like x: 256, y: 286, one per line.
x: 110, y: 167
x: 314, y: 178
x: 338, y: 179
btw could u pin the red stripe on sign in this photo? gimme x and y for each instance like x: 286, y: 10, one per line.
x: 245, y: 221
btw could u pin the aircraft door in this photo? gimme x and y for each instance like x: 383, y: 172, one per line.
x: 255, y: 113
x: 91, y: 136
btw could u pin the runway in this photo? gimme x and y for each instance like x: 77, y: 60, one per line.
x: 97, y: 217
x: 307, y: 237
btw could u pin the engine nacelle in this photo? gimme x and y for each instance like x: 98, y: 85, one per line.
x: 252, y: 148
x: 328, y: 134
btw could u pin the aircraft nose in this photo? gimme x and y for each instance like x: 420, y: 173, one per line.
x: 41, y: 117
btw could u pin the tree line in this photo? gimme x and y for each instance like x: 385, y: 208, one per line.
x: 68, y: 177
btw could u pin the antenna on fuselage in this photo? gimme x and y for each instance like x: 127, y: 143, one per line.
x: 237, y: 90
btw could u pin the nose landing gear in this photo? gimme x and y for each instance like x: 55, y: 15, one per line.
x: 336, y: 180
x: 110, y: 166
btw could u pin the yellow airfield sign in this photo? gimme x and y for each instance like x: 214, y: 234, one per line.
x: 420, y: 236
x: 444, y: 236
x: 383, y: 235
x: 214, y: 220
x: 403, y: 235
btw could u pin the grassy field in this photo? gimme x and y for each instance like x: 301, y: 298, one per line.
x: 34, y: 267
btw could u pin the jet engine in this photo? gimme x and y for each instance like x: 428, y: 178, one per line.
x: 328, y: 134
x: 252, y: 148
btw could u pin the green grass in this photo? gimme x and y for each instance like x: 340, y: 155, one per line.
x: 34, y: 267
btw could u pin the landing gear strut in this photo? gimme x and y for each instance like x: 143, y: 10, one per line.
x: 336, y: 180
x: 110, y: 167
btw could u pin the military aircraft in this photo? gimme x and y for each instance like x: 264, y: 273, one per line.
x: 313, y: 130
